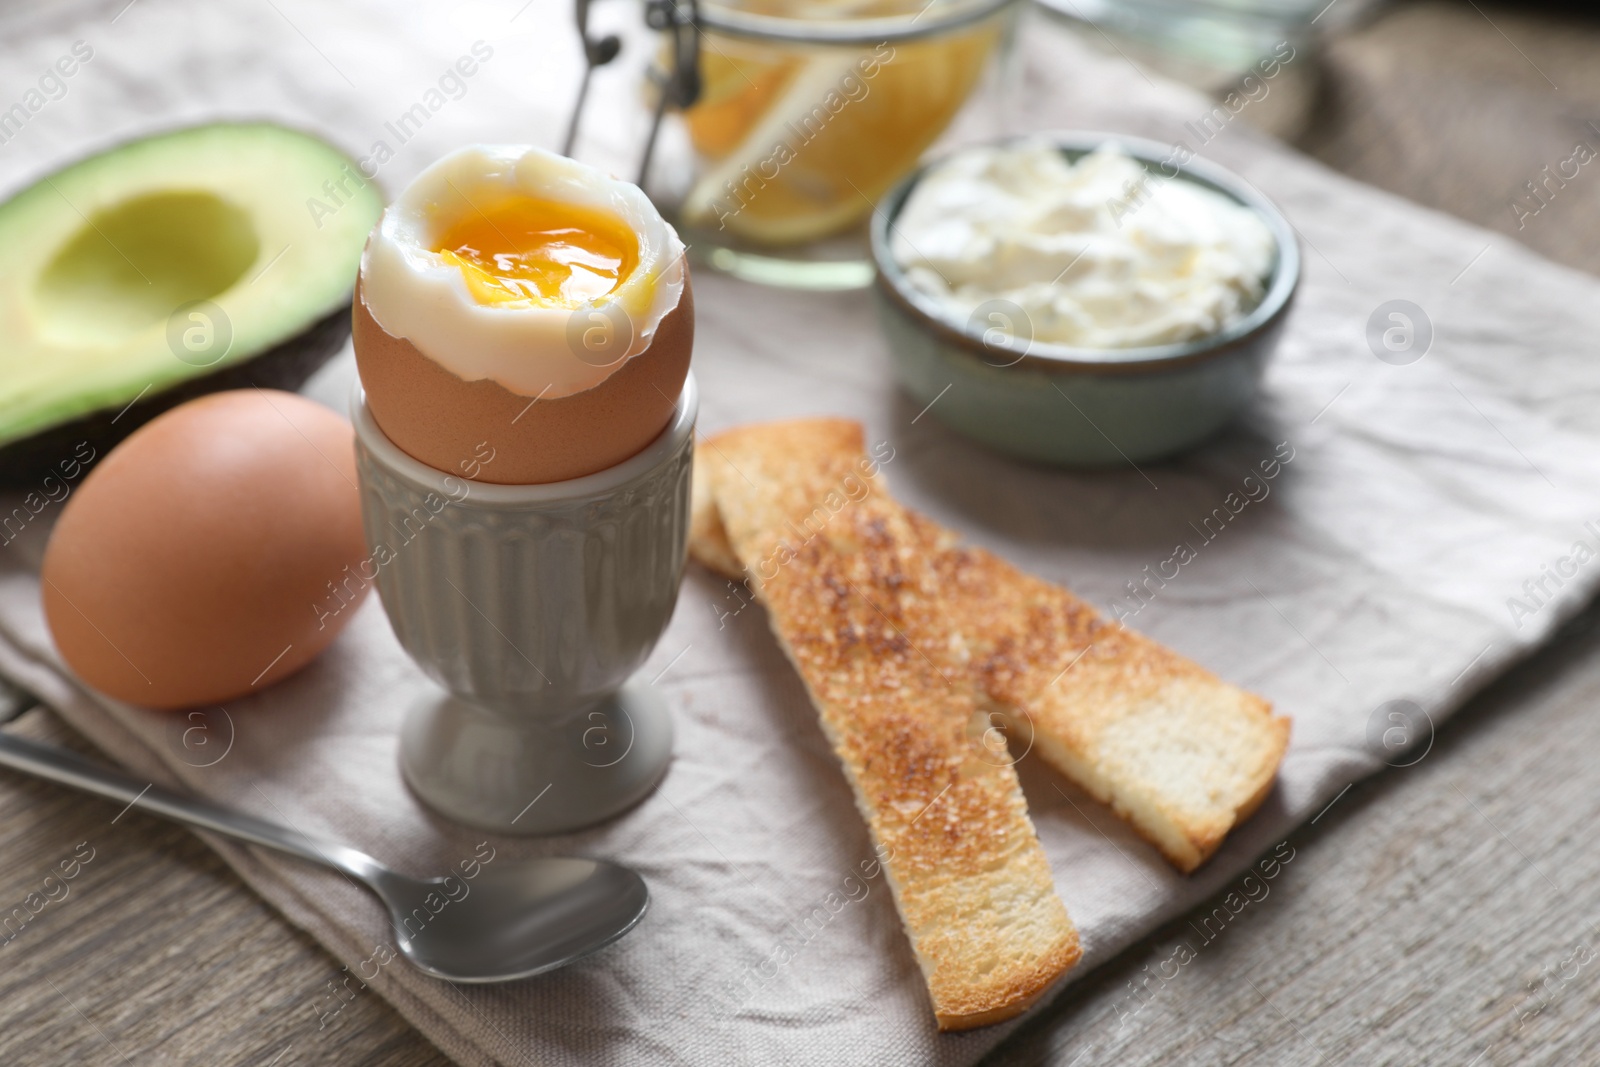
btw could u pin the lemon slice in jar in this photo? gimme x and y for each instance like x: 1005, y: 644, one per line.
x: 801, y: 145
x: 740, y: 81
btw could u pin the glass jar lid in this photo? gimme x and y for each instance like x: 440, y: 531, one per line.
x: 836, y: 24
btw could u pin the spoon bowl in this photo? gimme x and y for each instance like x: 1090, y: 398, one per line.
x: 514, y: 920
x: 509, y: 920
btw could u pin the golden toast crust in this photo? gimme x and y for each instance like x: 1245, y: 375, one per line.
x: 1181, y: 755
x: 855, y: 600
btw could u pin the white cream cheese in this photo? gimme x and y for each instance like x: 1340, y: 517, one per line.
x: 1096, y: 253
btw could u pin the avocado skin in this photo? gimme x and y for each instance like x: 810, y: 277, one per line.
x: 286, y: 366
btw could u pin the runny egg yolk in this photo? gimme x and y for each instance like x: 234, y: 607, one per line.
x: 539, y: 253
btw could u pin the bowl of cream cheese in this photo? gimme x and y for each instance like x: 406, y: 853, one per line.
x: 1082, y: 298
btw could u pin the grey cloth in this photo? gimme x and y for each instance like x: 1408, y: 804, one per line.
x: 1377, y: 566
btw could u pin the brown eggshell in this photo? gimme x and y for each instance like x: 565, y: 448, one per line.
x: 193, y: 565
x: 445, y: 421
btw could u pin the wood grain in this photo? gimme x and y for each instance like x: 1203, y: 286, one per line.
x: 1458, y: 105
x: 157, y: 953
x: 1437, y: 913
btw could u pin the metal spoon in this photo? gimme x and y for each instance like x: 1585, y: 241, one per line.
x: 511, y: 920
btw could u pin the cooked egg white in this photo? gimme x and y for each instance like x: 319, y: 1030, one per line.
x: 495, y: 260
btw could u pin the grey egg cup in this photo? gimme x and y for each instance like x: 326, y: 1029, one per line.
x: 531, y: 606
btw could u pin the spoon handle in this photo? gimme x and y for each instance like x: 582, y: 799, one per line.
x: 67, y: 768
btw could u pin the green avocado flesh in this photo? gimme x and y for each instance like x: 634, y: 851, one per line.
x: 165, y: 267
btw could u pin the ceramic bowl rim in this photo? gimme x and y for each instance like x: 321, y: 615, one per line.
x: 660, y: 450
x: 930, y: 315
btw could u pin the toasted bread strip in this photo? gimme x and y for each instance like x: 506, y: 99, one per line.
x: 708, y: 540
x: 1179, y: 754
x: 854, y: 601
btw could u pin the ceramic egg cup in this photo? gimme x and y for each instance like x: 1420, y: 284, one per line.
x: 532, y: 606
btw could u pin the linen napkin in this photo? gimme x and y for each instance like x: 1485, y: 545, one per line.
x: 1404, y: 551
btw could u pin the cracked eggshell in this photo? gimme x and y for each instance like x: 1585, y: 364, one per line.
x: 451, y: 424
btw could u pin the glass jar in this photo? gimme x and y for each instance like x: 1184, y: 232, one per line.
x: 779, y: 123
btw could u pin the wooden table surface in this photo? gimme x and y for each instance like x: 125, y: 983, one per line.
x: 1438, y: 913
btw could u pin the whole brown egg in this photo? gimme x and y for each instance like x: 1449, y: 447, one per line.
x: 211, y: 553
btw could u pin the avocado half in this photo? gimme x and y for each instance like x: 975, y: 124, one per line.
x: 209, y: 258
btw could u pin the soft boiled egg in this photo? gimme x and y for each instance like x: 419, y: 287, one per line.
x: 522, y: 318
